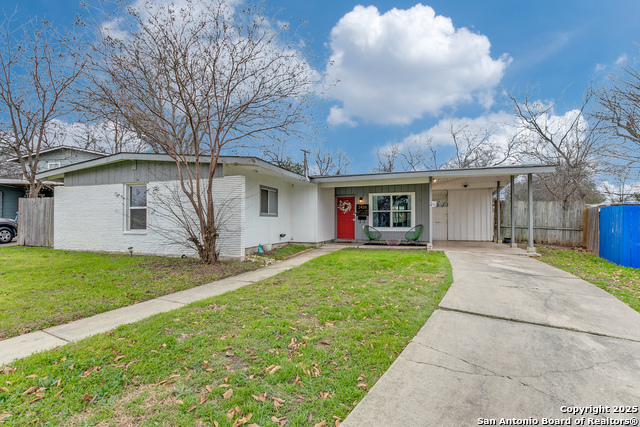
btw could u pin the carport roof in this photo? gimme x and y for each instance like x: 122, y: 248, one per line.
x: 444, y: 179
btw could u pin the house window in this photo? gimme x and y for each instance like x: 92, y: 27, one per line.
x: 393, y: 210
x: 52, y: 164
x: 268, y: 201
x: 136, y: 207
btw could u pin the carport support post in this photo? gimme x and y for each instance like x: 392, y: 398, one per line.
x: 530, y: 248
x: 430, y: 211
x: 498, y: 237
x: 513, y: 212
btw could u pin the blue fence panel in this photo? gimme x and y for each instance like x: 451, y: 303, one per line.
x: 620, y: 234
x: 634, y: 213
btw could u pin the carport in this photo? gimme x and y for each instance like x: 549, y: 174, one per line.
x: 452, y: 204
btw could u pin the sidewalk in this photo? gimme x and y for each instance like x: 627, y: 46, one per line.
x: 27, y: 344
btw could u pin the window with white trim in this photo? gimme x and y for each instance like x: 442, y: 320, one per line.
x: 268, y: 201
x: 392, y: 210
x: 136, y: 207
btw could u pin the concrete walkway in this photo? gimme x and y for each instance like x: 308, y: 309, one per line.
x: 25, y: 345
x: 513, y: 338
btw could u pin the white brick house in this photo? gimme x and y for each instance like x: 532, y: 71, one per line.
x: 120, y: 201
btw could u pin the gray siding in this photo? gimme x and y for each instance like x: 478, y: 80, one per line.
x: 130, y: 171
x: 9, y: 202
x: 421, y: 206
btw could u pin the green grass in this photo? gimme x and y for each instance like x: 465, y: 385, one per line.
x: 307, y: 343
x: 621, y: 282
x: 287, y: 251
x: 41, y: 287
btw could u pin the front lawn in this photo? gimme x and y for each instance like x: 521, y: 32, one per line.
x: 299, y: 349
x: 42, y: 287
x: 621, y: 282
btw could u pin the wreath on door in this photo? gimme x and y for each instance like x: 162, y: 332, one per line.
x: 345, y: 206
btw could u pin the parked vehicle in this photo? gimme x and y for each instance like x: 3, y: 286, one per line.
x: 8, y: 230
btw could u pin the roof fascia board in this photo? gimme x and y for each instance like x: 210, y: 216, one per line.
x: 367, y: 179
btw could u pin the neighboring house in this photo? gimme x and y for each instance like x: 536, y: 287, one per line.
x: 119, y: 201
x: 63, y: 155
x: 13, y: 189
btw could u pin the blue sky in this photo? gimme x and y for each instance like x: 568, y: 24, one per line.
x: 406, y: 67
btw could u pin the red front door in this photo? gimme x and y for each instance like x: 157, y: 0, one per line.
x: 346, y: 208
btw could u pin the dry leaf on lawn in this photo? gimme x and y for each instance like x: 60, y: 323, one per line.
x: 32, y: 376
x: 325, y: 395
x: 30, y: 390
x: 260, y: 397
x: 321, y: 424
x: 227, y: 394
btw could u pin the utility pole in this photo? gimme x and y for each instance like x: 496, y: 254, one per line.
x: 306, y: 165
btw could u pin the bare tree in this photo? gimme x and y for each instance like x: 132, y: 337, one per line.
x: 618, y: 109
x: 567, y: 142
x: 475, y: 148
x: 109, y: 136
x: 39, y: 66
x: 278, y: 153
x: 328, y: 163
x: 387, y: 158
x: 196, y: 80
x: 620, y: 188
x: 470, y: 148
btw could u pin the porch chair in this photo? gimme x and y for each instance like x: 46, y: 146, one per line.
x: 372, y: 233
x: 415, y: 233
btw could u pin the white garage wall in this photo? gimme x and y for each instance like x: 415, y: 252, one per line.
x: 440, y: 223
x: 326, y: 223
x: 297, y: 208
x: 92, y: 218
x: 470, y: 215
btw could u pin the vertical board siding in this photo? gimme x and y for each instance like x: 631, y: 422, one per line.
x: 420, y: 207
x: 440, y: 223
x: 619, y: 240
x: 131, y: 171
x: 35, y: 222
x: 554, y: 223
x: 470, y: 215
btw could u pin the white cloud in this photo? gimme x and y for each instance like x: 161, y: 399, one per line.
x: 622, y: 59
x: 501, y: 124
x: 498, y: 130
x: 403, y: 64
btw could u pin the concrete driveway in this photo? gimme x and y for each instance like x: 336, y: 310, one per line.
x: 517, y: 339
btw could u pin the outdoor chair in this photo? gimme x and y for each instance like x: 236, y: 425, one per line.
x: 372, y: 233
x: 413, y: 234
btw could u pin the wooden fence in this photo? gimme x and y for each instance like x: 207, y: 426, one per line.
x: 35, y: 222
x: 592, y: 231
x: 554, y: 223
